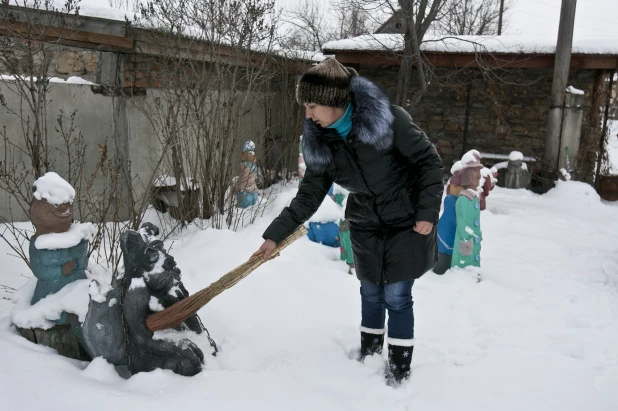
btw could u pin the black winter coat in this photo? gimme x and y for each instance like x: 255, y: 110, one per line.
x: 394, y: 175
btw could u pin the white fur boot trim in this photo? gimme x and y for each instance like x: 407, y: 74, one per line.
x: 376, y: 331
x: 399, y: 342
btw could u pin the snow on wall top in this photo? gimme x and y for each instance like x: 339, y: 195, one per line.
x: 54, y: 189
x: 101, y: 9
x: 514, y: 44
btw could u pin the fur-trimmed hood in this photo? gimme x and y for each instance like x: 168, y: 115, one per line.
x: 372, y: 122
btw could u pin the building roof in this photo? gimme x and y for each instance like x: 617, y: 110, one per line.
x: 508, y: 51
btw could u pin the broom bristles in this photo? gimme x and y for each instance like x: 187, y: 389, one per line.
x: 174, y: 315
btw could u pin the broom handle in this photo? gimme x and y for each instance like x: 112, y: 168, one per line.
x: 177, y: 313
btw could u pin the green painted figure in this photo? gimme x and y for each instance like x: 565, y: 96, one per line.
x: 59, y: 247
x: 346, y: 244
x: 468, y: 236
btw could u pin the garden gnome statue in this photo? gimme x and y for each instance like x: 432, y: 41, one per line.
x: 345, y: 242
x: 468, y: 235
x: 517, y: 174
x: 58, y: 249
x: 58, y: 260
x: 447, y: 225
x: 323, y: 226
x: 248, y: 190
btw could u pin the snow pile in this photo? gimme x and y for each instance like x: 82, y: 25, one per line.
x: 578, y: 194
x: 565, y: 174
x: 101, y: 284
x: 337, y: 189
x: 328, y: 211
x: 54, y: 241
x: 54, y: 189
x: 487, y: 173
x: 574, y: 90
x: 72, y: 298
x: 507, y: 44
x: 516, y: 156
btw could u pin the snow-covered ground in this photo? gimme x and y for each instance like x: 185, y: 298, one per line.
x: 539, y: 332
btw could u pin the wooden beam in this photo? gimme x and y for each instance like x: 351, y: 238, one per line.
x: 57, y: 34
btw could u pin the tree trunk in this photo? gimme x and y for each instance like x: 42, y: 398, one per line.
x: 411, y: 55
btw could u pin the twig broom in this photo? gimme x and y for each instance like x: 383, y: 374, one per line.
x: 174, y: 315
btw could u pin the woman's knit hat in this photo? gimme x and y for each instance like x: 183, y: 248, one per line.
x: 326, y: 84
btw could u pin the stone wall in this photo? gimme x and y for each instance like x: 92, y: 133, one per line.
x: 110, y: 116
x: 507, y: 110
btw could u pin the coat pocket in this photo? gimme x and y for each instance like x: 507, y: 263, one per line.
x: 466, y: 247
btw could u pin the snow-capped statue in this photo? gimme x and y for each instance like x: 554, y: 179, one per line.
x: 58, y: 249
x: 247, y: 188
x: 468, y: 234
x: 115, y: 325
x: 517, y: 174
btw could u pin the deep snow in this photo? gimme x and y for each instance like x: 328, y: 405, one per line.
x: 538, y: 333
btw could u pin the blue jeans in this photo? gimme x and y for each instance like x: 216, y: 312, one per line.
x: 397, y: 299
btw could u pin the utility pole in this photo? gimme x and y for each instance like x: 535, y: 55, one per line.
x: 562, y: 64
x: 500, y: 18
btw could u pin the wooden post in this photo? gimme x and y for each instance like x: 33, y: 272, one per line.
x: 500, y: 18
x: 562, y: 64
x: 63, y: 338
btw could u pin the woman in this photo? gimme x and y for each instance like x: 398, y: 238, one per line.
x: 354, y: 136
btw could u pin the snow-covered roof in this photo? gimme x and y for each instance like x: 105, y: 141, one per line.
x: 514, y: 44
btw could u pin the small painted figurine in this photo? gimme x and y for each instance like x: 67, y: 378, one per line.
x: 447, y: 225
x: 58, y: 249
x: 468, y: 236
x: 247, y: 188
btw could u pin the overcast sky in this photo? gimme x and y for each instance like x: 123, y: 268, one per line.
x: 594, y: 18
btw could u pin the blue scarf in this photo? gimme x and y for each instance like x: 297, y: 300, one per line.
x: 343, y: 126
